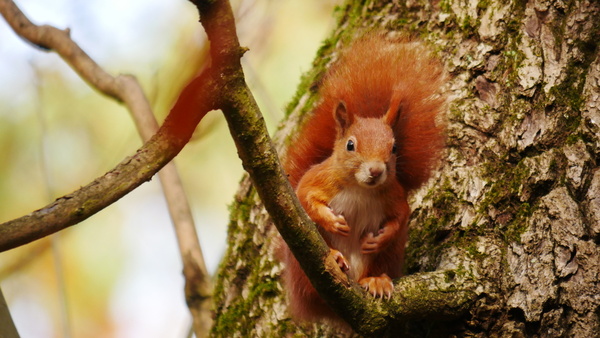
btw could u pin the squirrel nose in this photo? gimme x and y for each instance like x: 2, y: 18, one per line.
x: 375, y: 172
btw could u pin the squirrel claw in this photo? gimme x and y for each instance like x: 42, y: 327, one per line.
x: 341, y: 261
x: 378, y: 286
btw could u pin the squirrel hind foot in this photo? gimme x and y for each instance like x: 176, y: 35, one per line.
x: 378, y: 286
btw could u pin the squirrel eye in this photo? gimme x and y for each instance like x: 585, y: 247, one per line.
x: 394, y: 148
x: 350, y: 145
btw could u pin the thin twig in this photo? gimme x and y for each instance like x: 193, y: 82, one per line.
x: 125, y: 88
x: 7, y: 326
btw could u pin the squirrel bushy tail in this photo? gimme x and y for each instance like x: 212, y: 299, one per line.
x: 371, y: 75
x: 374, y: 75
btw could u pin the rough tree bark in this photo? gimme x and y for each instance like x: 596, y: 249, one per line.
x: 515, y: 203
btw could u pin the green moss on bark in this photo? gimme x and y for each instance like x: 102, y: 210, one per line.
x: 428, y: 236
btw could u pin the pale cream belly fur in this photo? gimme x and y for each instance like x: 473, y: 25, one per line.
x: 363, y: 210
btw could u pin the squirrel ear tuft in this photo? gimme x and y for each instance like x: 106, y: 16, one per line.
x: 393, y: 114
x: 343, y: 118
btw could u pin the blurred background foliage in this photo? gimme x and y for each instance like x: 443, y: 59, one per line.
x: 118, y: 274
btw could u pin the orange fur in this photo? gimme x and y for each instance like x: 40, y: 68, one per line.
x: 380, y: 91
x: 370, y: 75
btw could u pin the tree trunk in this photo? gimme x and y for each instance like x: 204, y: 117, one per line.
x: 516, y: 200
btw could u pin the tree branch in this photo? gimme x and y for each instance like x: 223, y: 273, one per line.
x: 223, y: 86
x: 159, y: 150
x: 51, y: 38
x: 7, y: 326
x: 125, y: 88
x: 260, y: 160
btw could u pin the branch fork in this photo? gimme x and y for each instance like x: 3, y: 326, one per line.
x: 222, y: 86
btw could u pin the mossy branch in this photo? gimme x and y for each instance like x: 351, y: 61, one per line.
x: 222, y: 86
x: 260, y: 160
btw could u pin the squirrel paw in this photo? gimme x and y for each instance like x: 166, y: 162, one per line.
x: 339, y: 258
x: 373, y: 243
x: 337, y: 224
x: 378, y: 286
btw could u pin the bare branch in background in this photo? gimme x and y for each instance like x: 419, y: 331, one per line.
x: 7, y: 326
x: 126, y: 89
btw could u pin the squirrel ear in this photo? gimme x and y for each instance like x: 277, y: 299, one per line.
x: 393, y: 114
x: 343, y: 118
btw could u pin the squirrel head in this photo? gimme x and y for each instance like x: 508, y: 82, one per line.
x: 365, y: 147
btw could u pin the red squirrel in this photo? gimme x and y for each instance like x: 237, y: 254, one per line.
x: 372, y: 138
